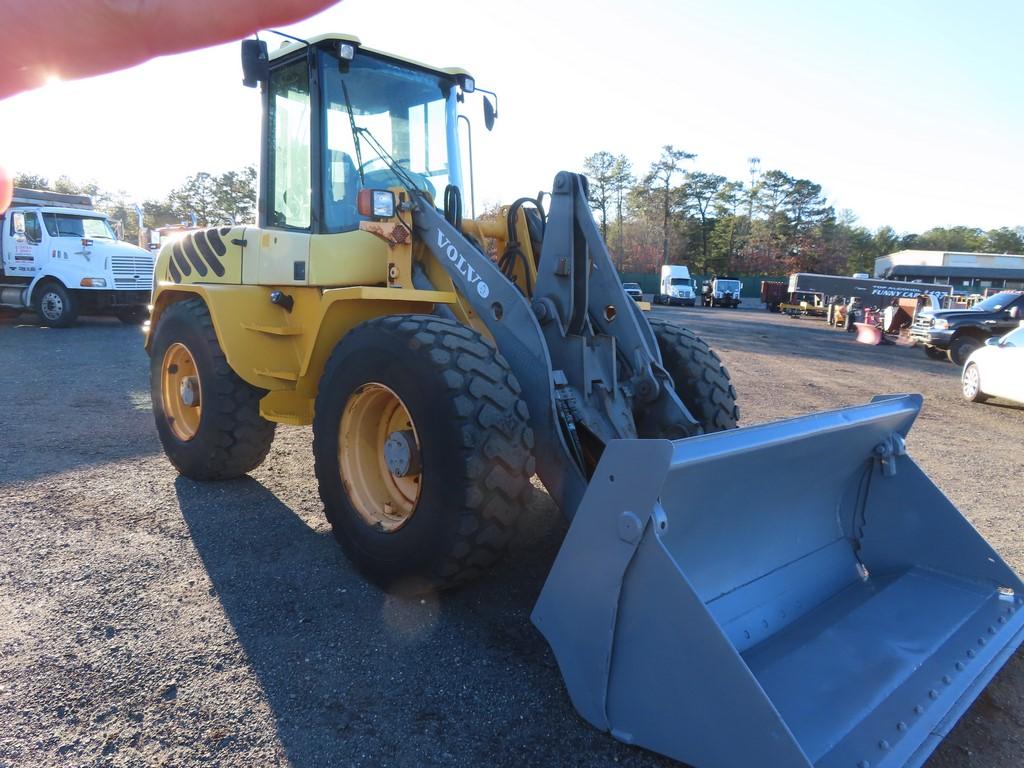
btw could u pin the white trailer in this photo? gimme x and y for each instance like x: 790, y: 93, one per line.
x: 61, y: 258
x: 676, y: 286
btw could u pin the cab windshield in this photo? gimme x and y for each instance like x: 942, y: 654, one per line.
x: 69, y: 225
x: 997, y: 302
x: 378, y: 113
x: 680, y: 281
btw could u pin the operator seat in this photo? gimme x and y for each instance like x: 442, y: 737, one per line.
x: 340, y: 213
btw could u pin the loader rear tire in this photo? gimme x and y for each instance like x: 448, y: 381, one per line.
x: 458, y: 399
x: 702, y: 382
x: 224, y: 437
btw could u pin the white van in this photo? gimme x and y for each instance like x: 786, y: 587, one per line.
x: 61, y: 258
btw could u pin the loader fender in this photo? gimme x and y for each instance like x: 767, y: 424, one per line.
x: 284, y: 352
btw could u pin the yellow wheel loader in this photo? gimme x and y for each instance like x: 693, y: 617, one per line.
x: 442, y: 361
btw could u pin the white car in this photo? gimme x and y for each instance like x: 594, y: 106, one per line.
x: 633, y: 291
x: 996, y: 369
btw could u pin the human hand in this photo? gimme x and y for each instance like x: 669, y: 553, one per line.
x: 70, y: 39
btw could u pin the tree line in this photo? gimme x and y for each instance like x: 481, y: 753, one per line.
x: 771, y: 223
x: 205, y: 199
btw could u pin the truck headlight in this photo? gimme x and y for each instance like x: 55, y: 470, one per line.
x: 939, y: 324
x: 93, y: 282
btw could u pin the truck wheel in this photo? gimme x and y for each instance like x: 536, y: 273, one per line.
x: 702, y: 382
x: 56, y: 305
x: 133, y: 315
x: 970, y: 385
x: 422, y: 450
x: 935, y: 353
x: 961, y: 347
x: 207, y: 417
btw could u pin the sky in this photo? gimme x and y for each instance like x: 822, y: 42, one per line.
x: 907, y: 112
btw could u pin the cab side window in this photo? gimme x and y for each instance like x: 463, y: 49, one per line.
x: 33, y: 230
x: 289, y: 146
x: 1015, y: 339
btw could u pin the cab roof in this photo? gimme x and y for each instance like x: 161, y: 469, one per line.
x: 85, y: 213
x: 290, y: 46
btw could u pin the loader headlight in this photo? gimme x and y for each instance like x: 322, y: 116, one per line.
x: 346, y: 51
x: 378, y: 203
x: 93, y: 282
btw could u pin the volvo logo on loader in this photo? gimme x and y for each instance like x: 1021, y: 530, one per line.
x: 456, y: 258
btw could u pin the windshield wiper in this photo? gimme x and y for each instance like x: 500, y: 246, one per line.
x: 388, y: 160
x: 355, y: 131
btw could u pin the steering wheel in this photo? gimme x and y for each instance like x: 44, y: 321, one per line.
x: 385, y: 177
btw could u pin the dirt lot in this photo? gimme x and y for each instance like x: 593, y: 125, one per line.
x: 149, y: 620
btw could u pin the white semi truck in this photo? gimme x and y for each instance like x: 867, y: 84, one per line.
x: 61, y: 258
x: 721, y: 292
x: 676, y: 286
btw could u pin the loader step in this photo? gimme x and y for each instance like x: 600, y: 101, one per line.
x: 274, y: 330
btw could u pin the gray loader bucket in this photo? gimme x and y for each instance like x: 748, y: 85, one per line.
x: 788, y: 595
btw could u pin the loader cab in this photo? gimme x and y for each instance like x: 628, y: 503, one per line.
x: 339, y: 117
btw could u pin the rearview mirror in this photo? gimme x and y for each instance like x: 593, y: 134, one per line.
x: 19, y: 225
x: 992, y: 341
x: 255, y: 62
x: 489, y: 114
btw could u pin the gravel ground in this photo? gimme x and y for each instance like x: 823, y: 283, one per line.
x: 149, y: 620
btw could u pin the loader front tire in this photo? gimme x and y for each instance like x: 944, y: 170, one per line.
x: 702, y: 382
x: 442, y: 506
x: 207, y: 417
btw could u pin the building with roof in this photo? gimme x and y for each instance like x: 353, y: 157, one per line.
x: 966, y: 272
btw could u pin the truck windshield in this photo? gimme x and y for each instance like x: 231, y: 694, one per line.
x: 680, y: 281
x: 728, y: 285
x: 411, y: 113
x: 997, y: 302
x: 69, y: 225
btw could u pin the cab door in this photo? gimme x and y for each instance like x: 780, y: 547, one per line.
x: 284, y: 242
x: 1005, y: 372
x: 25, y: 235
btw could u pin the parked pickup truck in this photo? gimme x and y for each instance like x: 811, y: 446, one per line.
x: 633, y: 291
x: 955, y: 333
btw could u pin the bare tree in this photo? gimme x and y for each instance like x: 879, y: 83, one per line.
x: 600, y: 170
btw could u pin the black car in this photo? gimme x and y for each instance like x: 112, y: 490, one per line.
x: 955, y: 333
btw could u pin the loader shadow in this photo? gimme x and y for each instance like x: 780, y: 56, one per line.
x: 75, y: 397
x: 355, y: 676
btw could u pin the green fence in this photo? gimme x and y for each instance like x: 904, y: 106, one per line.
x: 751, y: 283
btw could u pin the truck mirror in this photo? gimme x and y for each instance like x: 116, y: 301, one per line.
x: 19, y: 225
x: 255, y: 62
x: 1014, y: 312
x: 489, y: 114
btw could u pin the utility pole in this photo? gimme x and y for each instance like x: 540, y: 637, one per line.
x: 755, y: 170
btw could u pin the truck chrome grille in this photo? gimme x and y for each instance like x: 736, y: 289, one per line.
x: 132, y: 271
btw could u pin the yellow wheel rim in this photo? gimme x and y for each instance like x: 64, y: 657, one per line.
x: 181, y: 392
x: 383, y: 499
